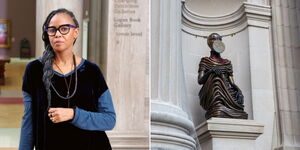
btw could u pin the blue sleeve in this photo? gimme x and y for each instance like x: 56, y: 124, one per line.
x: 26, y: 138
x: 104, y: 119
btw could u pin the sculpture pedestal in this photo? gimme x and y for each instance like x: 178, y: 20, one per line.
x: 228, y: 134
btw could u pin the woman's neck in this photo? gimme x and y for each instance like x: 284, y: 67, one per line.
x: 64, y: 58
x: 215, y: 55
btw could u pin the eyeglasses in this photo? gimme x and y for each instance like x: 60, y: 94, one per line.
x: 63, y: 29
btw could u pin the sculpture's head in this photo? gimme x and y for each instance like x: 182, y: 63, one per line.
x: 214, y: 41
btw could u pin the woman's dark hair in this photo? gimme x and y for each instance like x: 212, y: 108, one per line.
x: 48, y: 54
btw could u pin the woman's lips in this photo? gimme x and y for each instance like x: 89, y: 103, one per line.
x: 58, y: 42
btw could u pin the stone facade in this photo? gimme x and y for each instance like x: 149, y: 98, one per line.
x: 262, y: 41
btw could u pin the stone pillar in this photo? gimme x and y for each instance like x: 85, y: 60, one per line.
x: 95, y: 27
x: 261, y: 64
x: 43, y: 8
x: 169, y: 122
x: 286, y: 21
x: 228, y: 134
x: 127, y: 71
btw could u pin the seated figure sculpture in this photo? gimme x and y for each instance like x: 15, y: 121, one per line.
x: 219, y: 95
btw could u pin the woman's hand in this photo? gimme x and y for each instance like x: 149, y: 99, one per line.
x: 58, y: 115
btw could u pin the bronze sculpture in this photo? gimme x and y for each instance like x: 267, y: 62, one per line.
x: 219, y: 95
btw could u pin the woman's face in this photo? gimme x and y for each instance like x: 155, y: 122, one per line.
x: 61, y: 42
x: 215, y: 43
x: 212, y: 38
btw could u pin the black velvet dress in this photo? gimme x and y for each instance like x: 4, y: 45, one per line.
x: 65, y: 136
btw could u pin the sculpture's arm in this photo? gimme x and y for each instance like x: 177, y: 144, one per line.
x: 233, y: 84
x: 231, y: 79
x: 239, y: 96
x: 202, y: 76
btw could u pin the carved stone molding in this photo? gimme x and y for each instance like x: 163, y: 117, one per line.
x: 247, y: 15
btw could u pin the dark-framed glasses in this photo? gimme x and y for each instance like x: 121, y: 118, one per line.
x: 63, y: 29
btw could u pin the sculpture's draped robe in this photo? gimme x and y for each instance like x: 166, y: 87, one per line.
x: 218, y: 96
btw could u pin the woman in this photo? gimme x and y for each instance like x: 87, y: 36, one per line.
x: 67, y: 102
x: 219, y: 95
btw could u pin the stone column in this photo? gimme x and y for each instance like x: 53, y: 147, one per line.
x: 95, y: 27
x: 127, y: 48
x: 43, y: 8
x: 286, y: 21
x: 261, y: 64
x: 169, y: 122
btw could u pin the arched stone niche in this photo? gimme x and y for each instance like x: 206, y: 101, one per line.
x: 213, y: 7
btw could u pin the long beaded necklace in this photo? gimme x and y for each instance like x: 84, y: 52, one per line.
x: 68, y: 85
